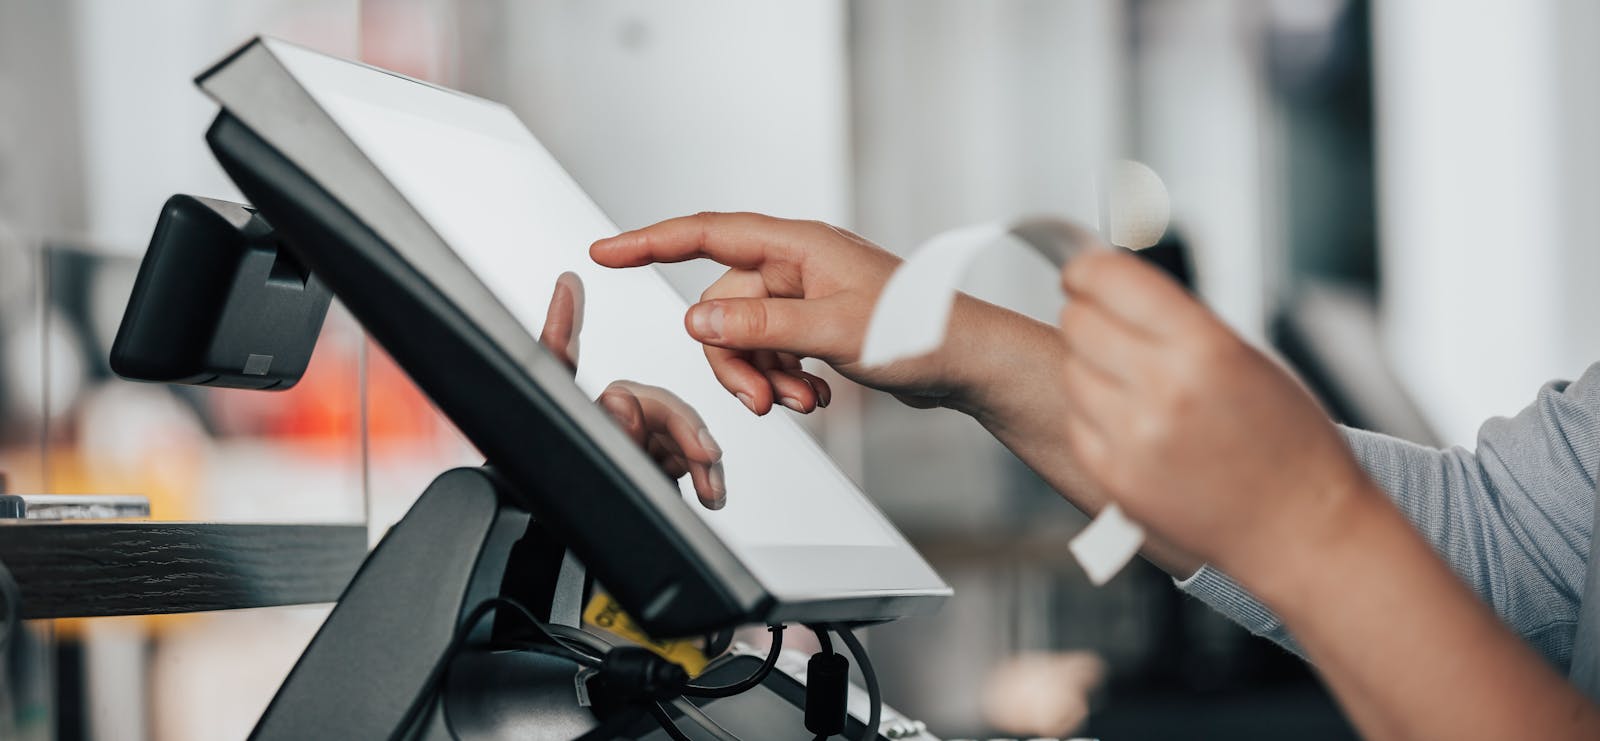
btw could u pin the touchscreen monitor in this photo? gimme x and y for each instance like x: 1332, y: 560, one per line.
x: 458, y: 207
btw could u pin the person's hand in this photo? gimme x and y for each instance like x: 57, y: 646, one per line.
x: 563, y: 321
x: 795, y: 289
x: 664, y: 425
x: 672, y: 433
x: 1199, y: 436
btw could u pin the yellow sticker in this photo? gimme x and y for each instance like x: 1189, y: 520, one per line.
x: 604, y: 613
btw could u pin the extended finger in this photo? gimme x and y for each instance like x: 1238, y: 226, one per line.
x: 741, y: 378
x: 1093, y: 398
x: 1110, y: 345
x: 710, y: 484
x: 807, y: 327
x: 738, y: 240
x: 563, y: 322
x: 667, y: 414
x: 1131, y: 290
x: 623, y: 407
x: 668, y: 459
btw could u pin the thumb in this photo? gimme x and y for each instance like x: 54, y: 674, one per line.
x: 805, y: 327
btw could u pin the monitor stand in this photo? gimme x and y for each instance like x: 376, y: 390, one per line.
x: 378, y: 666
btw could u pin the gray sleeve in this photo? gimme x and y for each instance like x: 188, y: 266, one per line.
x: 1512, y: 518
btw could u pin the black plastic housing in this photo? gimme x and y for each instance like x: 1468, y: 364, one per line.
x: 218, y: 303
x: 560, y: 474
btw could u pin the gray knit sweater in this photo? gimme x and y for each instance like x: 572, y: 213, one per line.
x: 1513, y: 518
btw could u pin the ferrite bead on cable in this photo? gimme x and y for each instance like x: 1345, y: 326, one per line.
x: 637, y: 672
x: 827, y: 693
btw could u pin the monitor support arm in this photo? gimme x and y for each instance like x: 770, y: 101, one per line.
x: 378, y: 666
x: 215, y: 289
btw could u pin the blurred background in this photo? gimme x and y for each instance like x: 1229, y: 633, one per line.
x: 1399, y: 197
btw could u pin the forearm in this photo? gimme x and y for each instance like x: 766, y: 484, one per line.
x: 1404, y: 645
x: 1511, y: 520
x: 1005, y: 368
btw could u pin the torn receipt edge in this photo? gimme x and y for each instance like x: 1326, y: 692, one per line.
x: 1107, y: 544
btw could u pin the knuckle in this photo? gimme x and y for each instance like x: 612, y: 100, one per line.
x: 1090, y: 269
x: 1099, y: 263
x: 1151, y: 427
x: 1182, y: 392
x: 705, y: 222
x: 1188, y: 367
x: 1118, y: 476
x: 1074, y: 321
x: 1214, y: 352
x: 1076, y: 376
x: 1077, y: 272
x: 1184, y: 401
x: 649, y: 241
x: 751, y: 321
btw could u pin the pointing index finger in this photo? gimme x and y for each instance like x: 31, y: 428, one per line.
x: 737, y: 240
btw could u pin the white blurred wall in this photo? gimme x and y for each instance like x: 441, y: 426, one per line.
x: 666, y: 109
x: 1201, y: 117
x: 143, y: 121
x: 968, y: 112
x: 1487, y: 160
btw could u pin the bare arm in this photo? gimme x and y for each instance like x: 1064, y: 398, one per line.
x: 1513, y: 517
x: 1008, y: 382
x: 1409, y: 651
x: 805, y: 289
x: 1145, y: 398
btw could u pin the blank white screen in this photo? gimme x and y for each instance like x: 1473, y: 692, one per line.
x: 472, y: 170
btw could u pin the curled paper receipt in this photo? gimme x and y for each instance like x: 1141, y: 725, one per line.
x: 913, y: 314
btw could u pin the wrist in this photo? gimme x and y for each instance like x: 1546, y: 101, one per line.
x: 1283, y: 562
x: 996, y: 362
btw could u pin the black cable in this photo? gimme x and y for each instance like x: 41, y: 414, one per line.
x: 748, y: 683
x: 665, y: 719
x: 874, y: 697
x: 823, y: 640
x: 567, y: 633
x: 717, y: 643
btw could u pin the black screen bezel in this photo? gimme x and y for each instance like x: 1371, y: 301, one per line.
x: 666, y: 582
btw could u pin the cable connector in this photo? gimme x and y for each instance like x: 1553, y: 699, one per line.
x: 634, y: 672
